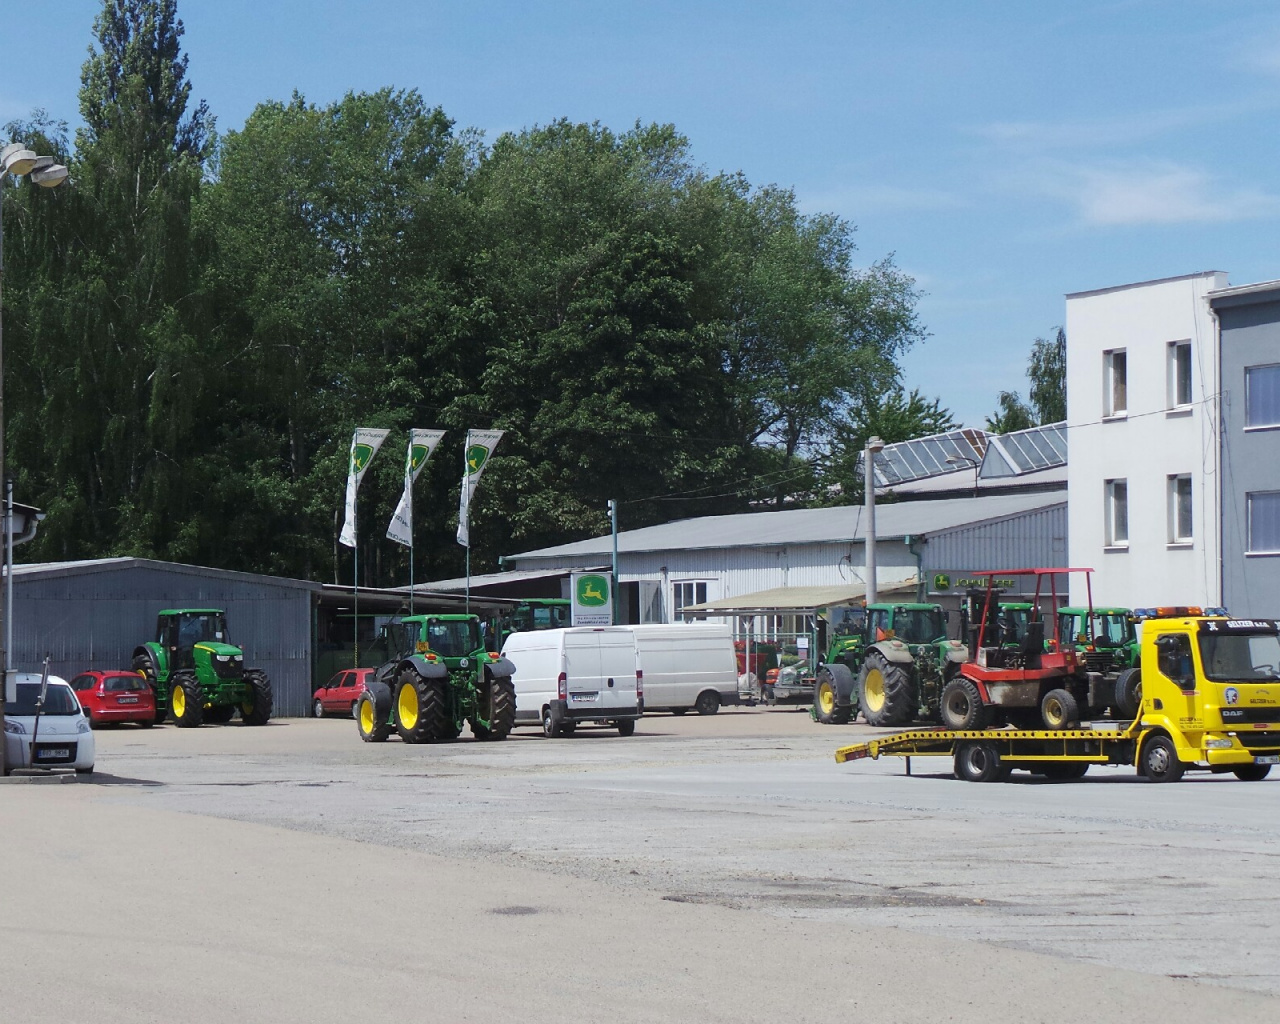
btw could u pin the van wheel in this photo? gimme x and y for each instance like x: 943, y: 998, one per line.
x: 626, y: 727
x: 678, y: 711
x: 549, y: 726
x: 708, y: 703
x: 1160, y: 761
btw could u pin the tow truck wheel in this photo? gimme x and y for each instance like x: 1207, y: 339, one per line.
x: 979, y: 762
x: 962, y: 707
x: 1059, y: 710
x: 1251, y: 772
x: 1065, y: 769
x: 1160, y: 762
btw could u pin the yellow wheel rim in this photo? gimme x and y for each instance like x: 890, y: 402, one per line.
x: 366, y: 716
x: 407, y: 706
x: 873, y: 690
x: 826, y: 698
x: 178, y: 699
x: 1053, y: 713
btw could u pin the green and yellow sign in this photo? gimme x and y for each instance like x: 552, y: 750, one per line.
x: 592, y: 599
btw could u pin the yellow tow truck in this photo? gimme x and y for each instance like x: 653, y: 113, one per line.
x: 1209, y: 700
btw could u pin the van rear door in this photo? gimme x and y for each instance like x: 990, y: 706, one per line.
x: 618, y: 667
x: 583, y: 681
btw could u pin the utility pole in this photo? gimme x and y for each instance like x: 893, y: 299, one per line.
x: 613, y: 525
x: 874, y: 445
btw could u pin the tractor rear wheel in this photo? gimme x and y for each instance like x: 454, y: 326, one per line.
x: 1059, y: 710
x: 219, y: 715
x: 372, y: 721
x: 258, y: 708
x: 1128, y: 700
x: 186, y: 699
x: 502, y: 714
x: 143, y: 666
x: 961, y: 706
x: 885, y: 693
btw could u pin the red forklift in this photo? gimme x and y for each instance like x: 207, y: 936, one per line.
x: 1039, y: 683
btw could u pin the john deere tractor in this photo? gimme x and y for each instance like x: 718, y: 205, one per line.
x: 1109, y: 644
x: 438, y: 677
x: 893, y: 671
x: 198, y: 675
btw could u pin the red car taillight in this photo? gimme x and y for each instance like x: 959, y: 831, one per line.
x: 562, y: 686
x: 639, y: 685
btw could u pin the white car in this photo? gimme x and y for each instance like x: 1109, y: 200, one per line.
x: 62, y: 739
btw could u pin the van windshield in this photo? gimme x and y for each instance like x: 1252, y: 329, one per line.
x: 59, y: 700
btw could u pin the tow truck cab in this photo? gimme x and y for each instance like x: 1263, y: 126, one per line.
x: 1212, y: 683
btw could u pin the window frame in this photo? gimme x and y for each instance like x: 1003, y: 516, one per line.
x: 1247, y: 395
x: 1173, y: 398
x: 1174, y: 505
x: 678, y: 605
x: 1111, y: 539
x: 1109, y: 362
x: 1249, y: 549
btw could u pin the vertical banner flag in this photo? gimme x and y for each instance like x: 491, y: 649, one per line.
x: 421, y: 445
x: 480, y: 445
x: 364, y: 445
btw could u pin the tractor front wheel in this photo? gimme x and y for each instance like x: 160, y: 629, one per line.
x: 420, y: 716
x: 186, y: 699
x: 257, y: 709
x: 962, y: 707
x: 371, y: 720
x: 502, y: 710
x: 885, y: 691
x: 826, y: 696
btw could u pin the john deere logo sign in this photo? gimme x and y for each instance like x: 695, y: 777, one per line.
x: 477, y: 455
x: 417, y: 456
x: 942, y: 581
x: 360, y: 457
x: 592, y: 599
x: 593, y: 591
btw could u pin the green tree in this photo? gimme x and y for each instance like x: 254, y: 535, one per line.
x: 1012, y: 414
x: 1047, y: 371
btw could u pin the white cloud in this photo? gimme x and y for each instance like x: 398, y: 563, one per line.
x: 1149, y: 193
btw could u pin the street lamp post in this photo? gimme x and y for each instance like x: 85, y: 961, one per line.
x: 956, y: 460
x: 874, y: 445
x: 17, y: 160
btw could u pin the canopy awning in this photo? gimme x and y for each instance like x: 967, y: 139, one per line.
x: 797, y: 600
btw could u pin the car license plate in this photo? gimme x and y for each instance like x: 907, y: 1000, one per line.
x: 48, y: 753
x: 583, y: 696
x: 128, y: 700
x: 1267, y: 759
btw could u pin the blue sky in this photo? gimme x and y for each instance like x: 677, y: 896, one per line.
x: 1006, y: 152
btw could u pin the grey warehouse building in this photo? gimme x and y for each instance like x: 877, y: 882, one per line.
x: 1249, y: 371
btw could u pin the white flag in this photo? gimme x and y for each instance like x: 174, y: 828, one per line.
x: 421, y: 444
x: 480, y: 445
x: 364, y: 446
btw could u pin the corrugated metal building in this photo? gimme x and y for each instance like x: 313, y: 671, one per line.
x: 665, y: 568
x: 92, y: 614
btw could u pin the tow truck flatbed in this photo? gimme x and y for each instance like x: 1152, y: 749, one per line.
x: 1098, y: 745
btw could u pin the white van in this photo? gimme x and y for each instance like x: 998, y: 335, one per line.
x: 577, y: 674
x: 687, y: 665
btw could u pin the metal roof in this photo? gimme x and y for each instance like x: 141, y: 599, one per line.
x: 840, y: 524
x: 92, y: 565
x: 795, y: 599
x: 494, y: 579
x: 924, y: 457
x: 1025, y: 451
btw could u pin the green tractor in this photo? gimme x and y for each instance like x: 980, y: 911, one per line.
x: 893, y: 671
x: 533, y: 613
x: 1109, y: 644
x: 437, y: 677
x: 198, y: 675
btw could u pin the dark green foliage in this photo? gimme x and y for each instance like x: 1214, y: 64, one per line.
x: 195, y: 326
x: 1047, y: 370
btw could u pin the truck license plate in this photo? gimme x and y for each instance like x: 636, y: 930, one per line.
x: 1267, y: 759
x: 51, y: 752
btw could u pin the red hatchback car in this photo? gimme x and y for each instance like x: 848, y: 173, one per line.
x: 116, y: 697
x: 339, y: 694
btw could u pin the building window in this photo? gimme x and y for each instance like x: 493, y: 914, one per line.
x: 686, y: 594
x: 1179, y: 374
x: 1115, y: 399
x: 1264, y: 522
x: 1262, y: 396
x: 1180, y: 509
x: 1117, y: 513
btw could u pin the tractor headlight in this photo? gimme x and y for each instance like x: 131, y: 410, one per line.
x: 14, y: 728
x: 1218, y: 743
x: 224, y: 658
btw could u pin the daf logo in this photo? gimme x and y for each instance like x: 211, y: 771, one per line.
x: 1232, y: 695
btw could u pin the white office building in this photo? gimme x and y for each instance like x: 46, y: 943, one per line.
x: 1143, y: 418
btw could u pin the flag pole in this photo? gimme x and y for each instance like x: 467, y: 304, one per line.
x: 410, y: 575
x: 355, y: 592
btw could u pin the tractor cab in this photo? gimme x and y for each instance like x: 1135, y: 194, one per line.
x: 179, y: 633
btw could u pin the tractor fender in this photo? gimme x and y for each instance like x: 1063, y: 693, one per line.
x: 156, y: 654
x: 895, y: 651
x: 501, y: 667
x: 956, y: 652
x: 841, y: 682
x: 381, y: 694
x: 426, y: 669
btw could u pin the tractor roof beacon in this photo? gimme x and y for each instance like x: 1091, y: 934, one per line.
x: 437, y: 678
x: 198, y: 674
x: 1208, y: 700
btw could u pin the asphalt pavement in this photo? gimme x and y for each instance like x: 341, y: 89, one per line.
x: 719, y: 868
